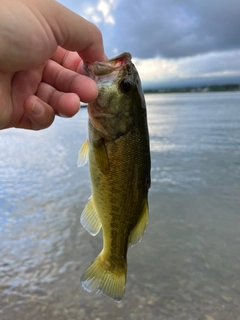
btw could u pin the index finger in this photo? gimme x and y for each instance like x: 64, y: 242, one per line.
x: 67, y: 59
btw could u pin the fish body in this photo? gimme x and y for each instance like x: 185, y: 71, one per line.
x: 119, y: 161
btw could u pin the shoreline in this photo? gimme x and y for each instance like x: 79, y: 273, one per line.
x: 200, y: 89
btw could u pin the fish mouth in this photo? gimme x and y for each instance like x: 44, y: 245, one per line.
x: 112, y: 66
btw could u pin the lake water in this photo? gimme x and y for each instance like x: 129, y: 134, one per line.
x: 188, y: 264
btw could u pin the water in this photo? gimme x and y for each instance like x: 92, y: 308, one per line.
x: 188, y: 263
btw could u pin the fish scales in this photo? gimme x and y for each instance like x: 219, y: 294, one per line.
x: 119, y: 190
x: 119, y: 163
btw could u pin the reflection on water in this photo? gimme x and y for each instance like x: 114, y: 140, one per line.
x: 187, y: 265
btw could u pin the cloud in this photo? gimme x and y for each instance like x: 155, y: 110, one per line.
x: 170, y: 39
x: 96, y: 11
x: 202, y: 68
x: 175, y: 28
x: 101, y: 12
x: 165, y: 28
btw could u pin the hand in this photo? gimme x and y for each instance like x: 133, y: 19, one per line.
x: 39, y: 77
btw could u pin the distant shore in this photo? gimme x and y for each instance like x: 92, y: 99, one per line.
x: 212, y: 88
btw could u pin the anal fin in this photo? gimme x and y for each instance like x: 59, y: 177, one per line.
x: 138, y: 231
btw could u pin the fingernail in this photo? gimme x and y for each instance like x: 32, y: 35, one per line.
x: 62, y: 115
x: 37, y: 108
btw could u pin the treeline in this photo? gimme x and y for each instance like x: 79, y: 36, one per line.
x: 212, y: 88
x: 226, y: 87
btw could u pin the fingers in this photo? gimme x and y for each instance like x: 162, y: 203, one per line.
x: 63, y: 104
x: 69, y: 60
x: 66, y: 81
x: 40, y: 115
x: 53, y: 97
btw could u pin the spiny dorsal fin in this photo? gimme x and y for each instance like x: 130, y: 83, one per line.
x: 89, y: 218
x: 138, y: 231
x: 83, y: 154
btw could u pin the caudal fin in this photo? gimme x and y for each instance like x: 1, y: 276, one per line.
x: 102, y: 277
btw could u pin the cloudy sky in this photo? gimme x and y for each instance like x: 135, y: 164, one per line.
x: 173, y: 42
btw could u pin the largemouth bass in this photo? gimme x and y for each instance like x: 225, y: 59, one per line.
x: 117, y: 149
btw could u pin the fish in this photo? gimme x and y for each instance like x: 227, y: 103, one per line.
x: 117, y: 150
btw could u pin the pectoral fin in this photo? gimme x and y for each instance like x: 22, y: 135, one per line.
x: 83, y: 154
x: 101, y: 156
x: 89, y: 218
x: 138, y: 231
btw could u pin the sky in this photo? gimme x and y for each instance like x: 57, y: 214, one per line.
x: 172, y: 42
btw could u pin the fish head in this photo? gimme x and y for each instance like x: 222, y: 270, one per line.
x: 120, y: 100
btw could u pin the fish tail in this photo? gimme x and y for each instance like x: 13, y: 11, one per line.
x: 103, y: 276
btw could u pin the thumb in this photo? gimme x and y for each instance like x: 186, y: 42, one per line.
x: 72, y: 31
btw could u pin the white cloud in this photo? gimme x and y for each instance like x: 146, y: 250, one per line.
x: 211, y: 65
x: 155, y: 68
x: 101, y: 12
x: 105, y: 7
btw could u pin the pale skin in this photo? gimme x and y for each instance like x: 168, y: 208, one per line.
x: 42, y: 48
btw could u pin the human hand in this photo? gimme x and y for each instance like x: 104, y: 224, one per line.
x: 42, y: 45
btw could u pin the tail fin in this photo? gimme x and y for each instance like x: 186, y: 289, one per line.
x: 101, y: 276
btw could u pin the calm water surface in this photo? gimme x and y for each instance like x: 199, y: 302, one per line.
x: 188, y: 263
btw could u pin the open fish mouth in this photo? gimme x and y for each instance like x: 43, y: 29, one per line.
x: 111, y: 67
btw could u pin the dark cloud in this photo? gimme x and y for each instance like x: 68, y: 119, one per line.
x: 172, y: 41
x: 173, y: 28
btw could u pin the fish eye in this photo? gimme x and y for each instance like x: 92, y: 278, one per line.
x: 125, y: 86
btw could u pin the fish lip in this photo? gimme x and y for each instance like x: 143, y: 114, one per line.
x: 107, y: 67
